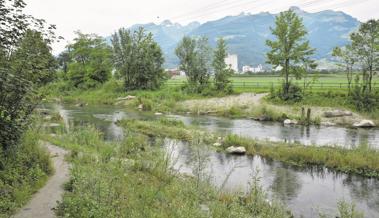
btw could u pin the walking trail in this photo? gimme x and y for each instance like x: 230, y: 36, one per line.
x: 42, y: 203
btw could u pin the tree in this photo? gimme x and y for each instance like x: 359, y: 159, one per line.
x: 34, y: 59
x: 138, y: 59
x: 221, y: 70
x: 365, y: 43
x: 63, y: 60
x: 17, y: 93
x: 195, y: 60
x: 91, y: 63
x: 347, y: 58
x: 290, y: 50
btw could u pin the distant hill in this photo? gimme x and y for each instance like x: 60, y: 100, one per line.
x: 246, y: 33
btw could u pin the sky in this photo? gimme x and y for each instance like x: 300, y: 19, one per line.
x: 103, y: 17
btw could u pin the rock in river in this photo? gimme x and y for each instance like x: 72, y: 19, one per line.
x: 289, y: 122
x: 236, y: 150
x: 364, y: 124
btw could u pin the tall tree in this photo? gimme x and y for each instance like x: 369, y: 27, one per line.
x: 186, y: 52
x: 34, y: 59
x: 138, y: 59
x: 195, y: 56
x: 347, y: 58
x: 17, y: 95
x: 91, y: 61
x: 221, y: 70
x: 290, y: 50
x: 365, y: 42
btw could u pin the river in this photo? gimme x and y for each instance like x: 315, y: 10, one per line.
x: 305, y: 191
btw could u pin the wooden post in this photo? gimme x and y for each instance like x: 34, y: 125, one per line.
x: 302, y: 113
x: 309, y: 116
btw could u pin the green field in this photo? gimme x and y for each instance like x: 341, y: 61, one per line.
x: 265, y: 82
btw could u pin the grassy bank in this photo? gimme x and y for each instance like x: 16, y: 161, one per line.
x: 133, y: 178
x: 361, y: 161
x: 23, y: 170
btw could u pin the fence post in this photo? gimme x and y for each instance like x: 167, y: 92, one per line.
x: 309, y: 116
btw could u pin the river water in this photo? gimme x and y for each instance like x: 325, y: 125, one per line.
x: 306, y: 192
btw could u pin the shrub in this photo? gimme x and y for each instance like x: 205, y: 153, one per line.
x: 23, y: 171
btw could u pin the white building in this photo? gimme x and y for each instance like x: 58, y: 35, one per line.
x: 232, y: 62
x: 257, y: 69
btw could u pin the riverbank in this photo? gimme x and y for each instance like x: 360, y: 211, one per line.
x: 361, y: 160
x: 133, y: 177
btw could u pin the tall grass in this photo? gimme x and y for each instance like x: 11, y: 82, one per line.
x: 362, y: 160
x: 133, y: 178
x: 23, y: 170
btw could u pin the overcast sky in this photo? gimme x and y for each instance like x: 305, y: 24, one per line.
x: 103, y: 17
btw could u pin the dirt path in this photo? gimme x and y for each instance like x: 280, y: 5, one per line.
x: 46, y: 198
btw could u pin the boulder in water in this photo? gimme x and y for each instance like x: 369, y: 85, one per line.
x: 236, y: 150
x: 289, y: 122
x: 364, y: 124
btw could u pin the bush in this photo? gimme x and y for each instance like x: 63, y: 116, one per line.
x: 23, y: 170
x: 295, y: 93
x: 364, y: 101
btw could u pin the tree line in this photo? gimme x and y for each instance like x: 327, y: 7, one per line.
x: 137, y: 59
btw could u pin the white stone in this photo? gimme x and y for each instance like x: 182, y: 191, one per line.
x: 158, y: 114
x: 364, y: 124
x: 236, y: 150
x: 289, y: 122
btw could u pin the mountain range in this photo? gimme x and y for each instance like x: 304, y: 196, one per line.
x: 247, y: 33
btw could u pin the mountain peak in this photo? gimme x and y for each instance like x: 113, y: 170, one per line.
x: 296, y: 9
x: 166, y: 23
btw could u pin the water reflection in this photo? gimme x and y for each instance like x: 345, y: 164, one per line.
x: 286, y: 184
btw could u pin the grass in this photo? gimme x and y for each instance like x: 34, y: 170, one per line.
x: 361, y: 161
x: 133, y: 178
x: 23, y: 170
